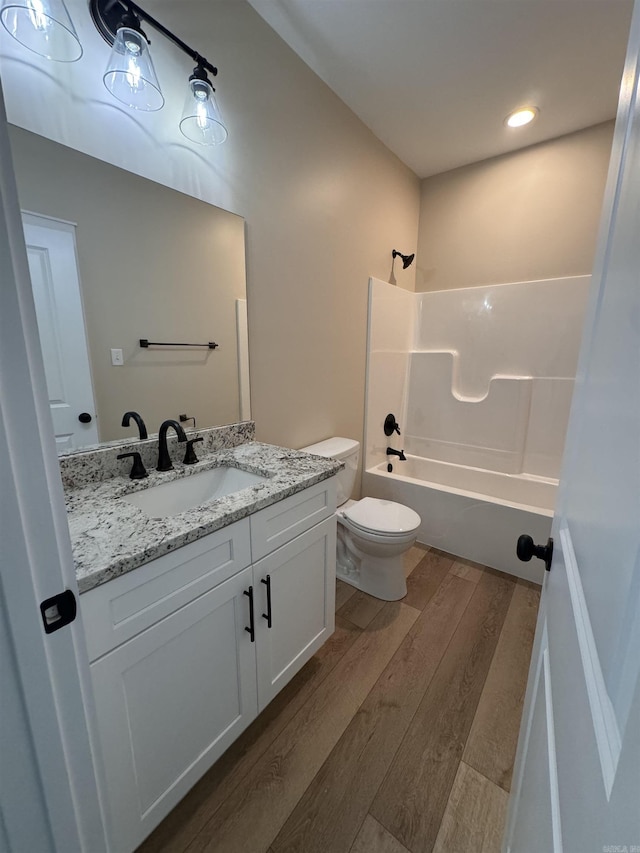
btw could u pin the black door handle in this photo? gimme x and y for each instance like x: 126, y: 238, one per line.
x: 252, y: 629
x: 267, y: 615
x: 526, y: 549
x: 85, y: 418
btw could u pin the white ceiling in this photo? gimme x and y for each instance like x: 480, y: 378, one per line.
x: 434, y: 79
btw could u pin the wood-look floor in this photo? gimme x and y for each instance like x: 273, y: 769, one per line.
x: 397, y: 737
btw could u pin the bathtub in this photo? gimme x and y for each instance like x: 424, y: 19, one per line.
x: 470, y: 512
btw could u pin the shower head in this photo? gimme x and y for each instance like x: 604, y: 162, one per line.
x: 406, y: 259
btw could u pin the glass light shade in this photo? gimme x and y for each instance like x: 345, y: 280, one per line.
x: 201, y: 120
x: 130, y: 75
x: 43, y: 26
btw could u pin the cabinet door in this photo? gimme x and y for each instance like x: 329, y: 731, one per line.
x: 301, y: 578
x: 169, y: 702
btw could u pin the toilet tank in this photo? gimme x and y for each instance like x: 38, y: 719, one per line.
x: 346, y: 450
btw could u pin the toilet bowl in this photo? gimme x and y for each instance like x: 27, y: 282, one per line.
x: 373, y: 534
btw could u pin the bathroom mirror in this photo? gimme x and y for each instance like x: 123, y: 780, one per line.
x: 153, y: 264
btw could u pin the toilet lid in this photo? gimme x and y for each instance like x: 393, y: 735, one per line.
x: 385, y: 517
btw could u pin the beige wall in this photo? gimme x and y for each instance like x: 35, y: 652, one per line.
x: 529, y: 215
x: 325, y: 203
x: 155, y: 264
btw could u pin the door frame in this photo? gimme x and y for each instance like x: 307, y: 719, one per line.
x: 49, y: 674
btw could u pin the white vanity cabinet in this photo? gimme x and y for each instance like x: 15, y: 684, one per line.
x: 176, y: 674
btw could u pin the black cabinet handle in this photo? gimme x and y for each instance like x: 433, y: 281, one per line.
x: 267, y: 582
x: 251, y: 630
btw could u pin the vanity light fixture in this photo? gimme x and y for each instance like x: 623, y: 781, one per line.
x: 130, y: 75
x: 407, y: 260
x: 201, y: 120
x: 521, y: 116
x: 131, y: 78
x: 43, y: 26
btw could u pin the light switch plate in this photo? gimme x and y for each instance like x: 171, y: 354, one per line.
x: 117, y: 358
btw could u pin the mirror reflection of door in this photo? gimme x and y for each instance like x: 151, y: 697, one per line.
x: 51, y: 251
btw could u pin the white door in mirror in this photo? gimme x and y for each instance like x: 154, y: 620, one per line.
x: 51, y: 251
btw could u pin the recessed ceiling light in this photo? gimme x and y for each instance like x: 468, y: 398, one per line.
x: 521, y: 117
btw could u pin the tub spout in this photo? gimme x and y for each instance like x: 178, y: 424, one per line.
x: 398, y: 453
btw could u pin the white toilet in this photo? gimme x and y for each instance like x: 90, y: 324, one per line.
x: 373, y: 534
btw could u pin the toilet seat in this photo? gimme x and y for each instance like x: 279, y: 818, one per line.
x: 383, y: 518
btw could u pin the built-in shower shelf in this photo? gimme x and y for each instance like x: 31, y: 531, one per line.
x: 474, y: 389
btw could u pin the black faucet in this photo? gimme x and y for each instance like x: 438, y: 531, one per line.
x: 398, y: 453
x: 190, y: 457
x: 138, y: 471
x: 164, y: 460
x: 126, y: 419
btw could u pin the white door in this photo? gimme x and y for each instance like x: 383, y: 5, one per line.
x: 48, y: 795
x: 577, y: 779
x: 51, y: 250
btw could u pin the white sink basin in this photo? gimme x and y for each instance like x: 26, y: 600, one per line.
x: 183, y: 494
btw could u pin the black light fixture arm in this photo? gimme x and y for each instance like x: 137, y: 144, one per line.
x: 107, y: 15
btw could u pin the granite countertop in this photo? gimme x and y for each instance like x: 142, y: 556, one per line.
x: 110, y: 536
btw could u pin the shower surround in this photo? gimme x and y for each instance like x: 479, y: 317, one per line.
x: 480, y: 379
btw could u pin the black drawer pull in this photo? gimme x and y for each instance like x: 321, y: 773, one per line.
x: 251, y: 630
x: 267, y: 615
